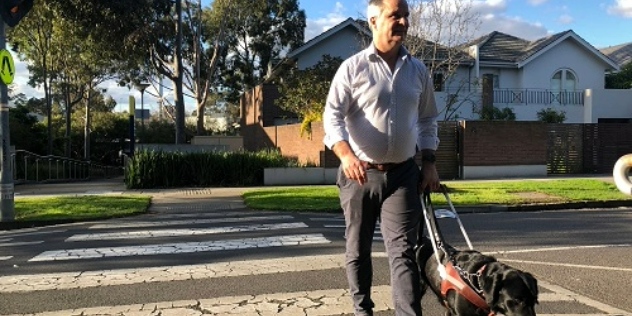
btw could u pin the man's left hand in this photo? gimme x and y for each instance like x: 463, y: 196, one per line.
x: 430, y: 178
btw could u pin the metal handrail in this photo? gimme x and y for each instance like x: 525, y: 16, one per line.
x: 31, y: 167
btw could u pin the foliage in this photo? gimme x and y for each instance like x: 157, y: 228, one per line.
x: 25, y: 131
x: 492, y: 113
x: 160, y: 169
x: 621, y: 79
x: 256, y: 37
x: 550, y: 115
x: 304, y: 92
x: 157, y: 132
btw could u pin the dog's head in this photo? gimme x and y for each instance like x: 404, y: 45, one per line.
x: 511, y: 292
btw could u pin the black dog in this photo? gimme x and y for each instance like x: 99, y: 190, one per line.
x: 502, y: 289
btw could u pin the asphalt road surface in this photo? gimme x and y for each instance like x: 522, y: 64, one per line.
x: 201, y: 252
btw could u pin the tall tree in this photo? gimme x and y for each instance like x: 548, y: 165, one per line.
x: 208, y: 30
x: 148, y: 37
x: 258, y: 34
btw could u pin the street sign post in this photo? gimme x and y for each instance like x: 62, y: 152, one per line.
x: 7, y: 203
x: 11, y: 12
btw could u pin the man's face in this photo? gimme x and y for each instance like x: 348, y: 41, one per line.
x: 392, y: 24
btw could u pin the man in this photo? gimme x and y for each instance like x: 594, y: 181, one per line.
x: 380, y: 110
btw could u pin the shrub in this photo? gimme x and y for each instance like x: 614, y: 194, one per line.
x: 550, y: 115
x: 492, y: 113
x: 159, y: 169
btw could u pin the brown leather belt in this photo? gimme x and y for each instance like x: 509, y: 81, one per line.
x: 384, y: 166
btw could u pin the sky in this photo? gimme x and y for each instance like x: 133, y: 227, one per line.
x: 601, y: 23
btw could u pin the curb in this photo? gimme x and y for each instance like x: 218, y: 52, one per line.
x: 475, y: 209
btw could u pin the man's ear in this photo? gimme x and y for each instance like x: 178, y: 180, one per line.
x: 372, y: 22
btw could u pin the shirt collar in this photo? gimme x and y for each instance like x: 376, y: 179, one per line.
x: 371, y: 52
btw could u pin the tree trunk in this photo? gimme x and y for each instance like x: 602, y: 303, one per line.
x: 68, y: 123
x: 49, y: 115
x: 179, y: 95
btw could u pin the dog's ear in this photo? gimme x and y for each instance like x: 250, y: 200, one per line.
x: 491, y: 287
x: 532, y: 284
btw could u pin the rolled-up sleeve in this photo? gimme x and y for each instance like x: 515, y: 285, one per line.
x: 336, y: 107
x: 427, y: 125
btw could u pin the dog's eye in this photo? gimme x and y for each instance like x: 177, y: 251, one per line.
x: 512, y: 304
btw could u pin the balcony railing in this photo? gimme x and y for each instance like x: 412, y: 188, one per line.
x: 31, y: 167
x: 538, y: 96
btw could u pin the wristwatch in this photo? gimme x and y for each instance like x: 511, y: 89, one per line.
x: 429, y: 158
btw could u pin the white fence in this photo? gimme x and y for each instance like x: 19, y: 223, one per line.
x: 592, y: 105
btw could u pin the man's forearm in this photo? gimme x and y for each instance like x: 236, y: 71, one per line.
x: 342, y: 149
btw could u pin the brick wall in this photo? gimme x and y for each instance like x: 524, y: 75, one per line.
x: 504, y: 143
x: 307, y: 148
x: 482, y: 143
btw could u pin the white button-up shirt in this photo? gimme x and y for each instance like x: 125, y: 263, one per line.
x: 385, y: 116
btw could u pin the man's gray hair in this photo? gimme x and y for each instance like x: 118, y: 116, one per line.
x: 374, y: 9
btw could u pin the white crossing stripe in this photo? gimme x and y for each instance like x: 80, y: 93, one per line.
x: 29, y: 232
x: 182, y: 232
x: 20, y: 243
x: 327, y: 219
x: 87, y: 279
x: 190, y: 222
x: 186, y: 247
x: 5, y: 258
x: 376, y: 237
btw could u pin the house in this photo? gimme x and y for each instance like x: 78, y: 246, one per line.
x: 562, y: 72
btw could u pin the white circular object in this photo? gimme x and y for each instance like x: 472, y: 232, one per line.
x: 620, y: 174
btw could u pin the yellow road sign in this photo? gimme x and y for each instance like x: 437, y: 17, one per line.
x: 7, y: 67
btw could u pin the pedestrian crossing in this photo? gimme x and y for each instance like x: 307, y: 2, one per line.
x: 215, y: 235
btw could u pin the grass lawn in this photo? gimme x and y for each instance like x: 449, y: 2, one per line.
x: 325, y: 198
x: 75, y: 208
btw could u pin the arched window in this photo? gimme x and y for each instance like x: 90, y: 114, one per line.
x: 563, y: 85
x: 564, y: 79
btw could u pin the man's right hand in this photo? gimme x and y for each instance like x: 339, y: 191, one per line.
x: 354, y: 168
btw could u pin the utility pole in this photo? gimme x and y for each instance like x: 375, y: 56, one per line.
x: 132, y: 123
x: 141, y: 87
x: 7, y: 203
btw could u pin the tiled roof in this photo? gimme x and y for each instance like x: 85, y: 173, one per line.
x: 620, y: 54
x: 500, y: 47
x: 540, y: 44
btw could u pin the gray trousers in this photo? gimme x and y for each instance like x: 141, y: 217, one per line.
x: 392, y: 196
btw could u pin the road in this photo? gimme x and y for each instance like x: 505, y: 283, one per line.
x: 201, y: 252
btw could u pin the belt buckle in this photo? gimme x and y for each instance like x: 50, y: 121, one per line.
x: 381, y: 166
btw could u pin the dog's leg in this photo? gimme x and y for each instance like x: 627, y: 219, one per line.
x: 424, y: 252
